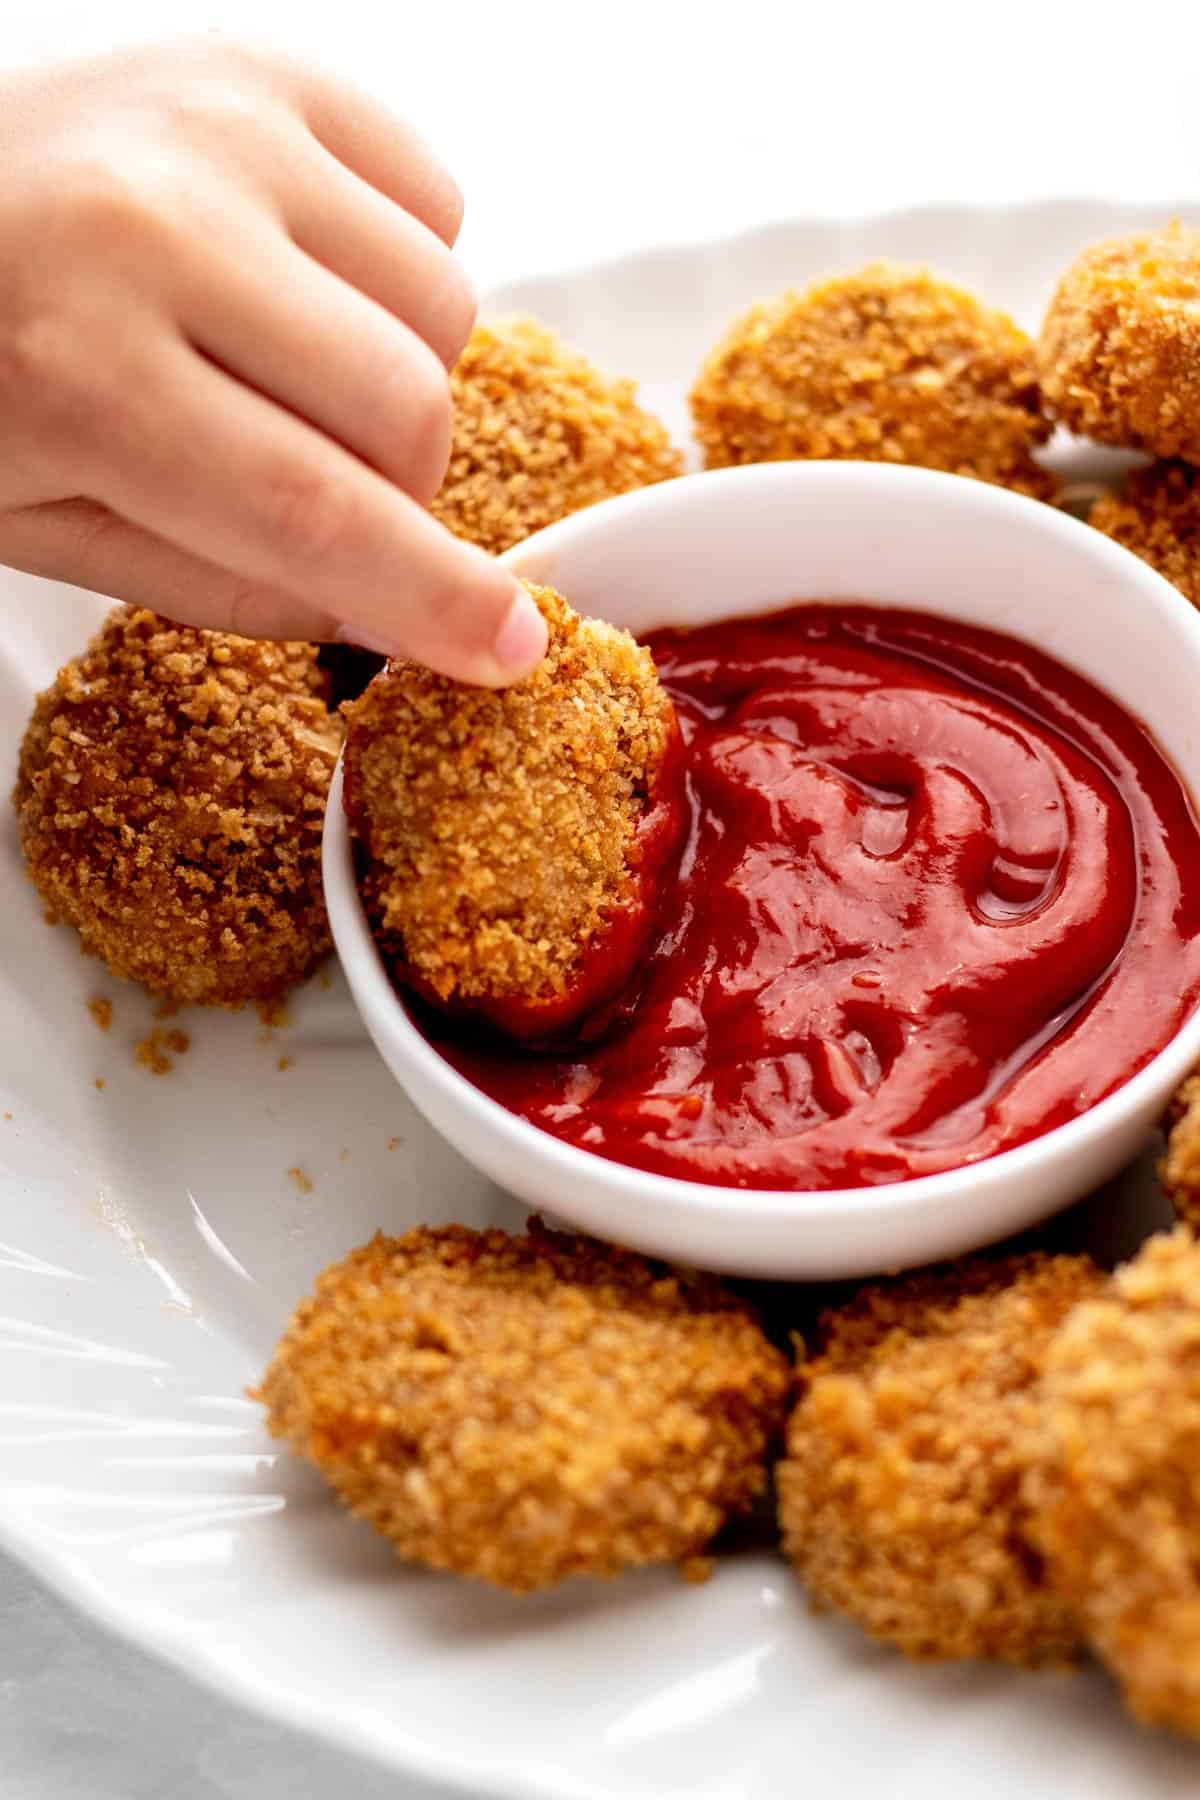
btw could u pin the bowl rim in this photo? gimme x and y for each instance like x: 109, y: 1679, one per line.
x: 355, y: 943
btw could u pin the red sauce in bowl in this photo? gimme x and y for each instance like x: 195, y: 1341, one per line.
x: 938, y: 895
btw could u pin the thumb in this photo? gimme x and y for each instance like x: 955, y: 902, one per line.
x: 81, y: 542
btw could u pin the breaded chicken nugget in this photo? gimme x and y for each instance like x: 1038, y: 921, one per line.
x: 1116, y: 1495
x: 513, y: 837
x: 1157, y: 516
x: 888, y: 365
x: 1119, y: 355
x: 522, y: 1409
x: 539, y: 433
x: 900, y: 1497
x: 1179, y: 1169
x: 169, y: 803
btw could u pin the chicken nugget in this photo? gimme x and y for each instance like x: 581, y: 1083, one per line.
x: 1179, y: 1170
x: 1119, y: 355
x: 887, y: 365
x: 521, y: 1409
x: 539, y: 433
x: 169, y: 800
x: 1157, y: 516
x: 1115, y: 1496
x: 513, y: 839
x: 900, y: 1496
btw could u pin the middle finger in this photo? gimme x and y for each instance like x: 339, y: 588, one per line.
x: 309, y: 341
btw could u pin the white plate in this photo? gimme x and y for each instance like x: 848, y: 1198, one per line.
x: 152, y: 1243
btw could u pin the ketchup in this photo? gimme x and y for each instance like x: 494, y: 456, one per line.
x: 937, y: 895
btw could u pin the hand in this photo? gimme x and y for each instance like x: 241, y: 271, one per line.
x: 227, y: 306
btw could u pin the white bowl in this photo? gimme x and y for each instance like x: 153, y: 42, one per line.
x: 745, y: 541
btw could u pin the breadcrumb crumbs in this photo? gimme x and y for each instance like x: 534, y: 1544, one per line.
x: 300, y: 1180
x: 523, y: 1409
x: 98, y: 1083
x: 900, y: 1495
x: 394, y: 1143
x: 101, y: 1009
x: 1115, y: 1493
x: 151, y: 1053
x: 500, y: 826
x: 285, y: 1062
x: 885, y: 365
x: 1119, y: 354
x: 169, y: 802
x: 1157, y: 516
x: 1179, y: 1169
x: 539, y: 433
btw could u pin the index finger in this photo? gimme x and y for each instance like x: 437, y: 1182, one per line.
x: 385, y: 151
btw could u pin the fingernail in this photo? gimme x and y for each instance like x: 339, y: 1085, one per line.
x: 365, y: 640
x: 521, y: 640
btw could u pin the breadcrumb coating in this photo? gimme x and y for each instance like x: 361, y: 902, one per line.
x: 900, y: 1497
x: 1157, y: 516
x: 1119, y: 354
x: 1116, y: 1493
x: 501, y: 827
x: 522, y: 1409
x: 539, y: 433
x: 169, y: 801
x: 886, y: 365
x: 1179, y: 1170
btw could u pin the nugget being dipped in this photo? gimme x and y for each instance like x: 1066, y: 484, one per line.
x: 512, y: 840
x: 1115, y: 1496
x: 887, y: 365
x: 1119, y: 354
x: 900, y: 1497
x: 539, y: 433
x: 1157, y: 516
x: 169, y: 804
x: 522, y: 1409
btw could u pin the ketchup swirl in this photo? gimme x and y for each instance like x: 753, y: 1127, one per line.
x: 938, y: 895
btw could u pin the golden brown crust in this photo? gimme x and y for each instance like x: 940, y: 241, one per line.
x: 886, y: 365
x: 521, y: 1409
x: 540, y: 433
x: 169, y: 801
x: 501, y: 825
x: 1119, y: 354
x: 900, y: 1497
x: 1116, y: 1492
x: 1157, y: 516
x: 1179, y: 1170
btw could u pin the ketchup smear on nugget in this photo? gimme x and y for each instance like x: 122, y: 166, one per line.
x: 938, y: 895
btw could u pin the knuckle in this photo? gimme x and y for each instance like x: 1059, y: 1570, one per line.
x: 111, y: 205
x: 305, y: 517
x: 50, y: 385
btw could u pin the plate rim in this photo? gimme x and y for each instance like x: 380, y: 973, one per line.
x: 175, y: 1646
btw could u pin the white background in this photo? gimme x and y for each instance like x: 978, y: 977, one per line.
x: 577, y: 132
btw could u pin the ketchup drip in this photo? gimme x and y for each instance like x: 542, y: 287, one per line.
x: 938, y: 895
